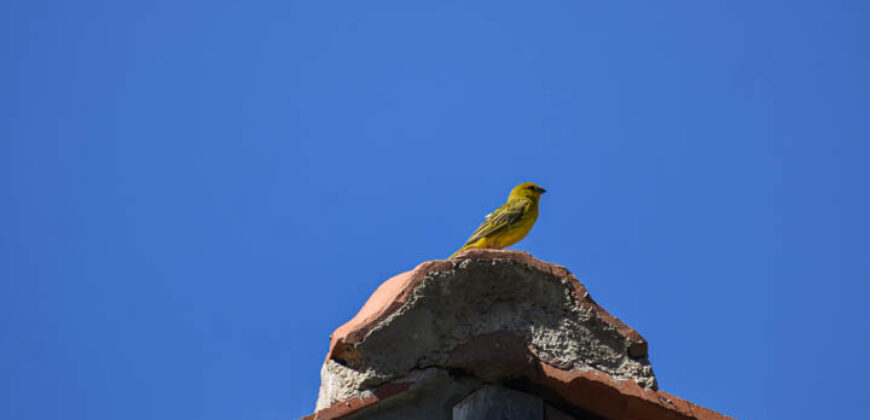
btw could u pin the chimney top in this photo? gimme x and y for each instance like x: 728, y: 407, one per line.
x: 429, y: 338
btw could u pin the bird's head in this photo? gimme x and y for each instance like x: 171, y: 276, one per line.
x: 527, y: 190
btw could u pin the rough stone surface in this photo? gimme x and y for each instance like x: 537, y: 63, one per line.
x: 443, y: 312
x: 430, y: 337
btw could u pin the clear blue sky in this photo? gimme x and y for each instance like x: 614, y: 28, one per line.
x: 195, y: 194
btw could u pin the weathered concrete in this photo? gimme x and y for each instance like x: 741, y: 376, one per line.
x: 468, y: 300
x: 428, y: 338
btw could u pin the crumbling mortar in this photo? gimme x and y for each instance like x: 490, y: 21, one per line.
x: 568, y: 335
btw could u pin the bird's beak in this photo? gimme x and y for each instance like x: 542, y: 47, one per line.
x: 542, y: 190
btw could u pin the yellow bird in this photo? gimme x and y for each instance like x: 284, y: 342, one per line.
x: 509, y: 223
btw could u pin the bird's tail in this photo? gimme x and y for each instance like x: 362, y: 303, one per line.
x: 457, y: 252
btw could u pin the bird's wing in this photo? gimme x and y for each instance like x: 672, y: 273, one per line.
x: 500, y: 219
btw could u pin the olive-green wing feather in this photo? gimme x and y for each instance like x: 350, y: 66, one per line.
x: 500, y: 219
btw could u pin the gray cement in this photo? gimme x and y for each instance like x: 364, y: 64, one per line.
x: 477, y: 297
